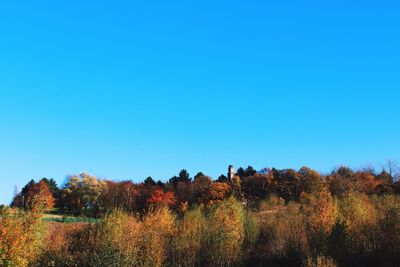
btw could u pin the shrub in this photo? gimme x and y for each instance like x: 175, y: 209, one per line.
x: 21, y: 236
x: 226, y: 233
x: 320, y: 213
x: 113, y: 241
x: 251, y: 233
x: 58, y: 240
x: 388, y: 210
x: 283, y: 235
x: 355, y: 234
x: 156, y: 237
x: 189, y: 238
x: 319, y: 261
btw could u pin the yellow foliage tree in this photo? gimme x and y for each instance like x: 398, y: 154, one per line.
x: 156, y: 237
x: 226, y: 233
x: 21, y: 236
x: 189, y: 238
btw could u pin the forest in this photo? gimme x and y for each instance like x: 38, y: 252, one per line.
x: 347, y: 217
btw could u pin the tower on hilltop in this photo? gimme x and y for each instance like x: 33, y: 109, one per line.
x: 231, y: 172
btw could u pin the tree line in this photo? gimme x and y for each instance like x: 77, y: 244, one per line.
x: 87, y: 195
x: 273, y: 218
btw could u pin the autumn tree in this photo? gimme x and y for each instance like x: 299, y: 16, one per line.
x: 156, y: 238
x: 354, y: 235
x: 289, y: 184
x: 313, y: 182
x: 365, y: 182
x: 386, y: 185
x: 388, y: 211
x: 120, y: 239
x: 19, y: 199
x: 218, y: 192
x: 257, y: 187
x: 320, y: 212
x: 158, y: 199
x: 21, y: 237
x: 200, y: 188
x: 122, y: 195
x: 283, y: 235
x: 35, y: 196
x: 41, y: 197
x: 226, y: 233
x: 340, y: 181
x: 52, y: 184
x: 112, y: 241
x: 385, y: 177
x: 72, y: 195
x: 183, y: 192
x: 189, y: 238
x: 82, y: 193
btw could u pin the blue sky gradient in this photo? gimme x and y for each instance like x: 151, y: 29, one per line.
x: 128, y: 89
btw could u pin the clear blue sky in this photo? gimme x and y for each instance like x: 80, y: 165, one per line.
x: 127, y: 89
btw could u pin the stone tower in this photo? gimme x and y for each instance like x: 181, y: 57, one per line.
x: 231, y: 172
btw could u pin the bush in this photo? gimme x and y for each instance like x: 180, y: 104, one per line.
x: 21, y: 237
x: 388, y: 209
x: 156, y: 237
x: 189, y: 238
x: 320, y: 212
x: 58, y: 242
x: 113, y: 241
x: 355, y: 234
x: 319, y: 261
x: 283, y: 235
x: 225, y: 233
x: 251, y: 233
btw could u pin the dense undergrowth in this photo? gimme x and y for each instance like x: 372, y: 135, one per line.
x: 280, y: 218
x: 355, y: 229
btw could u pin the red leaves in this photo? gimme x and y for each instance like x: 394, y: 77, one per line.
x: 39, y: 196
x: 159, y: 198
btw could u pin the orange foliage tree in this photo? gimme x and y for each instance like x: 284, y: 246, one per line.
x: 158, y: 198
x: 21, y: 239
x: 119, y: 195
x: 365, y: 182
x: 218, y: 192
x: 321, y: 213
x: 35, y: 196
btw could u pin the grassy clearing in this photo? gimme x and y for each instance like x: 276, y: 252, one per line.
x: 67, y: 219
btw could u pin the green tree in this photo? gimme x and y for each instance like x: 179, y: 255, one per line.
x: 199, y: 174
x: 149, y: 181
x: 182, y: 177
x: 222, y: 179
